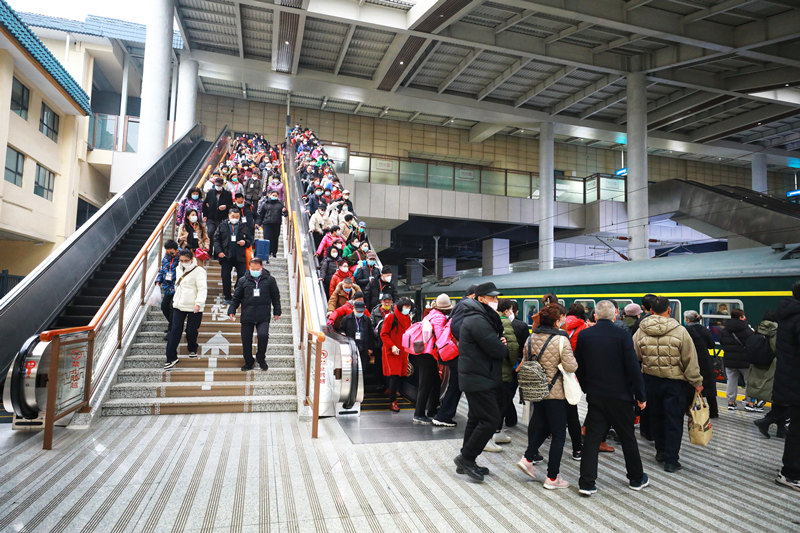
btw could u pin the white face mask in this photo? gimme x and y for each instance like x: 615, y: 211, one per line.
x: 493, y: 305
x: 193, y: 218
x: 218, y: 187
x: 511, y: 315
x: 387, y: 279
x: 406, y: 310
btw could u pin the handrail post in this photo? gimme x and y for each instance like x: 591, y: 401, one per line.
x: 315, y: 419
x: 52, y: 382
x: 121, y: 316
x: 87, y: 391
x: 144, y: 274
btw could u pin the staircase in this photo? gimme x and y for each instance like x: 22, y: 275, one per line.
x: 212, y: 383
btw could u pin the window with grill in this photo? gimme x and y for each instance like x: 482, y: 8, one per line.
x: 45, y: 181
x: 20, y: 97
x: 48, y: 123
x: 15, y: 162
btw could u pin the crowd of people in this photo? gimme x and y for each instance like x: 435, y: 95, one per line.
x: 242, y: 202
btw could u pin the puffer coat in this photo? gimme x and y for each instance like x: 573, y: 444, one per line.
x: 559, y: 350
x: 666, y: 350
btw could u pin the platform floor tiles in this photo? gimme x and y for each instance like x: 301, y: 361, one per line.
x: 262, y: 472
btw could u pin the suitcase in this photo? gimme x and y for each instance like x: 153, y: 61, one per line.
x: 262, y: 249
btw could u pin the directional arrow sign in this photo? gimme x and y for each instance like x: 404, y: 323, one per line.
x: 216, y: 345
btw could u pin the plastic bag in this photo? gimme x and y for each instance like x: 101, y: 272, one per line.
x: 699, y: 421
x: 155, y: 298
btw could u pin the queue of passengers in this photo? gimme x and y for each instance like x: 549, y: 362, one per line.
x: 241, y: 202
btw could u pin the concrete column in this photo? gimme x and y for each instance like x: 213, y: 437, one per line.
x: 496, y: 255
x: 447, y: 267
x: 155, y: 82
x: 187, y: 96
x: 637, y: 206
x: 123, y: 102
x: 759, y: 169
x: 173, y: 98
x: 547, y: 184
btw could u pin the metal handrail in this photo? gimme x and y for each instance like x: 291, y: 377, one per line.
x: 308, y: 335
x: 149, y: 256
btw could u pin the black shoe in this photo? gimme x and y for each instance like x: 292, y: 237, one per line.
x: 264, y: 366
x: 537, y: 458
x: 639, y: 485
x: 672, y: 467
x: 659, y: 457
x: 166, y: 336
x: 781, y: 434
x: 577, y: 455
x: 245, y: 368
x: 763, y: 426
x: 482, y: 469
x: 166, y: 330
x: 467, y: 467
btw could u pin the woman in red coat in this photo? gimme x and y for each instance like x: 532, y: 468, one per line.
x: 395, y: 359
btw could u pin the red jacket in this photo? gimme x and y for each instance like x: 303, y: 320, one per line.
x: 573, y: 325
x: 335, y: 319
x: 338, y: 277
x: 394, y: 325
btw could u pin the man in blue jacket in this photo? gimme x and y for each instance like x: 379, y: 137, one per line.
x: 611, y: 377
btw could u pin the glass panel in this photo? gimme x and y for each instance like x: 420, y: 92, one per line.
x: 440, y: 177
x: 384, y: 171
x: 519, y: 184
x: 133, y: 295
x: 493, y: 182
x: 105, y: 342
x: 675, y: 306
x: 359, y: 167
x: 530, y: 308
x: 587, y: 304
x: 73, y: 353
x: 152, y: 263
x: 467, y: 179
x: 105, y: 132
x: 132, y: 140
x: 591, y: 189
x: 612, y: 189
x: 716, y: 312
x: 338, y: 154
x: 412, y: 174
x: 569, y: 191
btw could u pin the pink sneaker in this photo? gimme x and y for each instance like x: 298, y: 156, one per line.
x: 557, y: 483
x: 527, y: 467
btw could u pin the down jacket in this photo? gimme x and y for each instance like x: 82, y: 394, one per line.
x: 510, y: 362
x: 192, y: 289
x: 394, y: 325
x: 432, y: 328
x: 573, y: 325
x: 480, y: 351
x: 786, y: 389
x: 558, y: 350
x: 666, y: 350
x: 760, y: 379
x: 733, y: 339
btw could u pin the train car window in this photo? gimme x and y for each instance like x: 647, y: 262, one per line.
x: 621, y: 303
x: 530, y: 308
x: 677, y: 312
x: 716, y: 312
x: 587, y: 304
x: 562, y: 302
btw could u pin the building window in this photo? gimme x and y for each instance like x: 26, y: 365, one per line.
x: 20, y: 97
x: 85, y: 212
x: 14, y: 164
x: 45, y: 180
x: 48, y: 123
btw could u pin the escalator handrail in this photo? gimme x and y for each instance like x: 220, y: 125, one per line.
x: 751, y: 197
x: 105, y: 308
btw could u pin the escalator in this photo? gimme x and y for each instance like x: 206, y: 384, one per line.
x: 724, y: 211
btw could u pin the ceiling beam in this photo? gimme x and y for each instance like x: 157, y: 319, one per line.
x: 237, y: 7
x: 358, y: 108
x: 384, y: 112
x: 324, y: 103
x: 675, y: 111
x: 586, y: 92
x: 345, y: 45
x: 542, y: 86
x: 605, y: 104
x: 413, y: 117
x: 276, y: 28
x: 459, y: 69
x: 566, y: 32
x: 516, y: 19
x: 421, y: 64
x: 448, y: 121
x: 390, y: 57
x: 483, y: 130
x: 182, y: 28
x: 710, y: 112
x: 616, y: 43
x: 504, y: 76
x: 715, y: 10
x: 769, y: 133
x: 745, y: 121
x: 633, y: 4
x: 298, y: 43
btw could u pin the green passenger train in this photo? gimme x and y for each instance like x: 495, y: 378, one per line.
x: 712, y: 283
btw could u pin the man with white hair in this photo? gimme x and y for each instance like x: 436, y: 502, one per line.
x: 611, y: 377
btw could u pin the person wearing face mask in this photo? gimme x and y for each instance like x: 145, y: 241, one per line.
x: 276, y: 186
x: 166, y: 280
x: 318, y: 224
x: 230, y: 242
x: 335, y: 320
x: 346, y: 200
x: 247, y: 213
x: 191, y: 289
x: 352, y: 249
x: 193, y: 200
x: 358, y: 327
x: 192, y: 234
x: 425, y: 364
x: 346, y: 223
x: 377, y: 316
x: 327, y: 240
x: 253, y: 186
x: 234, y: 185
x: 367, y: 270
x: 215, y: 209
x: 395, y: 358
x: 256, y: 293
x: 380, y: 285
x: 481, y: 351
x: 342, y: 273
x: 315, y: 200
x: 328, y: 268
x: 340, y: 295
x: 270, y: 216
x: 509, y: 385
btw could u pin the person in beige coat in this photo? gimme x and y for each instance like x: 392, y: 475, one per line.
x: 552, y: 346
x: 191, y: 289
x: 669, y: 365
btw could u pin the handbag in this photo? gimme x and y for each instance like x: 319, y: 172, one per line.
x: 201, y: 255
x: 572, y: 389
x: 699, y: 421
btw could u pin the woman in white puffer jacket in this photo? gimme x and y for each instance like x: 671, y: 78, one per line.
x: 191, y: 288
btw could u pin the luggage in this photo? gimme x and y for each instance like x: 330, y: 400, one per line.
x: 262, y: 249
x: 699, y: 421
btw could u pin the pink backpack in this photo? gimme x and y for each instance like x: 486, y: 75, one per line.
x: 412, y: 339
x: 446, y: 344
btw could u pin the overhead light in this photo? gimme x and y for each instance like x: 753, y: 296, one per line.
x: 759, y: 124
x: 286, y: 43
x: 786, y: 85
x: 522, y: 131
x: 402, y: 63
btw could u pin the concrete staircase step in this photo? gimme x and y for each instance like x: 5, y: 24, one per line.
x: 209, y: 404
x: 205, y: 334
x: 157, y: 323
x: 199, y: 389
x: 159, y: 348
x: 182, y: 374
x: 232, y: 361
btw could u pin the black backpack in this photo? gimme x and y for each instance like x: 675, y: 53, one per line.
x: 758, y: 350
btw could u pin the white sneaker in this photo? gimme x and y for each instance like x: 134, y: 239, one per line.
x: 527, y: 467
x: 502, y: 438
x: 492, y: 447
x: 557, y: 483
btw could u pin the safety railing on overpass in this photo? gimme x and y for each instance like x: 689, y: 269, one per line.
x: 80, y: 356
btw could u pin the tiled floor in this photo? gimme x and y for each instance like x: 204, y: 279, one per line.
x: 263, y: 472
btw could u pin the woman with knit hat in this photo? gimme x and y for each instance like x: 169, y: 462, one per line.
x: 426, y: 363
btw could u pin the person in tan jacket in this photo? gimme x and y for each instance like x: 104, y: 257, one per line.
x: 669, y: 365
x: 550, y: 414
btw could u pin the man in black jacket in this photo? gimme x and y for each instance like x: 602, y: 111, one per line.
x: 380, y: 285
x: 257, y: 291
x: 611, y: 376
x: 481, y: 350
x: 732, y: 340
x: 786, y: 389
x: 215, y: 208
x: 247, y: 213
x: 358, y: 327
x: 270, y: 213
x: 230, y: 241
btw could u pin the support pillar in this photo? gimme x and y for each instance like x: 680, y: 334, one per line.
x: 446, y: 268
x: 173, y: 99
x: 759, y: 169
x: 637, y: 205
x: 155, y: 82
x: 546, y: 195
x: 187, y: 96
x: 123, y: 102
x: 496, y: 257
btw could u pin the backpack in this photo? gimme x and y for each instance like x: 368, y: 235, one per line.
x: 446, y: 344
x: 412, y: 339
x: 758, y: 351
x: 533, y: 383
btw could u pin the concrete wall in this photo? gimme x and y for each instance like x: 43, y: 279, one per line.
x: 396, y: 138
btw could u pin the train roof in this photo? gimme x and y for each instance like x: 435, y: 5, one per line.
x: 747, y: 263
